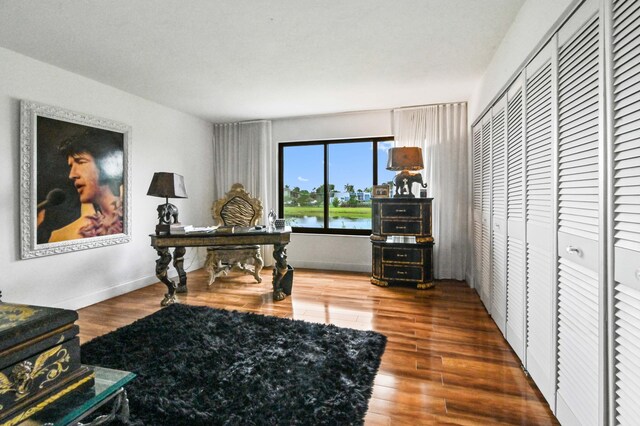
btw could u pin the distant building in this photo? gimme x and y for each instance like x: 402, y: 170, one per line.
x: 342, y: 196
x: 346, y: 196
x: 363, y: 196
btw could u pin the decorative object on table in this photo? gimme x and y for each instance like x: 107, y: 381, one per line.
x: 58, y: 198
x: 39, y: 359
x: 167, y: 185
x: 280, y: 223
x: 423, y: 192
x: 271, y: 219
x: 380, y: 191
x: 402, y: 242
x: 406, y: 159
x: 198, y: 365
x: 236, y: 208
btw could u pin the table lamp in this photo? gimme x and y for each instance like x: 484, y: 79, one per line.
x: 406, y: 159
x: 167, y: 185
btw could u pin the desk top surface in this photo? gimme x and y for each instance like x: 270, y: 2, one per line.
x: 229, y: 230
x: 224, y: 236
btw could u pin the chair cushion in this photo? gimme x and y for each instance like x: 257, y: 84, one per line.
x: 237, y: 212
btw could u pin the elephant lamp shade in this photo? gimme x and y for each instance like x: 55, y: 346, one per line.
x: 167, y: 185
x: 406, y: 159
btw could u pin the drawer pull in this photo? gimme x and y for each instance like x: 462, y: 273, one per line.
x: 401, y: 210
x: 497, y: 226
x: 402, y: 273
x: 401, y: 227
x: 404, y: 255
x: 574, y: 250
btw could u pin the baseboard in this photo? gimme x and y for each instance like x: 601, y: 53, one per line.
x: 108, y: 293
x: 349, y: 267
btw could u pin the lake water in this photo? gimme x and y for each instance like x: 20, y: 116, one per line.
x: 334, y: 222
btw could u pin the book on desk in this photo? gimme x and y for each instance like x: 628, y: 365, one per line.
x: 179, y: 229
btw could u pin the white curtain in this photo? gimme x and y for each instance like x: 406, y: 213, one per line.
x: 243, y: 153
x: 441, y: 132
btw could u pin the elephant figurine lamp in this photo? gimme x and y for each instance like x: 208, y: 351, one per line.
x: 406, y: 159
x: 167, y: 185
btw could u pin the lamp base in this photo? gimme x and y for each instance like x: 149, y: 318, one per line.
x: 162, y: 229
x: 403, y: 182
x: 409, y: 195
x: 167, y: 214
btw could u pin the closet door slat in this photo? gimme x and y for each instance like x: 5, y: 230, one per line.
x: 516, y: 254
x: 477, y: 205
x: 539, y: 234
x: 572, y: 157
x: 499, y: 217
x: 485, y: 260
x: 579, y: 203
x: 626, y: 210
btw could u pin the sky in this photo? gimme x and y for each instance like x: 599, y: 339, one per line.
x: 350, y: 163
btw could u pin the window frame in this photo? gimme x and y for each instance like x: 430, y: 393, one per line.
x: 325, y: 230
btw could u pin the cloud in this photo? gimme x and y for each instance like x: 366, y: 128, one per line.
x: 301, y: 179
x: 384, y: 146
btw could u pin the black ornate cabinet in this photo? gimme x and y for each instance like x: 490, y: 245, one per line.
x: 402, y: 241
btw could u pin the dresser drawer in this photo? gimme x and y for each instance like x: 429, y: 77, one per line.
x: 404, y: 210
x: 402, y: 273
x: 397, y: 227
x: 402, y: 255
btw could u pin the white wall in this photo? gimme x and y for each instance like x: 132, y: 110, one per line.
x: 336, y: 252
x: 162, y: 140
x: 533, y: 22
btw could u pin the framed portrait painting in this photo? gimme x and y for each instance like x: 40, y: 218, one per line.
x: 74, y: 181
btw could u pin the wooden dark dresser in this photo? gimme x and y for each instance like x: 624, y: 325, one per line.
x: 402, y: 242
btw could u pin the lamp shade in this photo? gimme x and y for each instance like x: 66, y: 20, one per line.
x: 405, y: 158
x: 167, y: 185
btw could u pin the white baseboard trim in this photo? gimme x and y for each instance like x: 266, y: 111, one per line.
x: 349, y: 267
x: 108, y: 293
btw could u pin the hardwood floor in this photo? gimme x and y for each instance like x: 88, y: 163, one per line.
x: 445, y: 362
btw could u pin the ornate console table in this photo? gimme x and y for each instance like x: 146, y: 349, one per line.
x: 228, y: 237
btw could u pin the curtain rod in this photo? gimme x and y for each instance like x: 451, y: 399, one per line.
x: 241, y: 122
x: 428, y: 105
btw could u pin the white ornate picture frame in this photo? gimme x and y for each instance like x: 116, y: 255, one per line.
x: 71, y: 164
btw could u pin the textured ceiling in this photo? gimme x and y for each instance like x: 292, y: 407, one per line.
x: 248, y: 59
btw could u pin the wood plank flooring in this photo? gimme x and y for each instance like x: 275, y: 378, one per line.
x: 445, y: 361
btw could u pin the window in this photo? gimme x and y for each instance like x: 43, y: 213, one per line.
x: 325, y: 186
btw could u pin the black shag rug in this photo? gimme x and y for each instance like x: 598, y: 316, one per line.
x: 204, y: 366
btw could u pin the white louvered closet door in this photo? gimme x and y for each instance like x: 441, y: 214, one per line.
x: 477, y: 206
x: 516, y: 255
x: 499, y: 215
x: 485, y: 293
x: 580, y: 375
x: 626, y: 211
x: 540, y: 108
